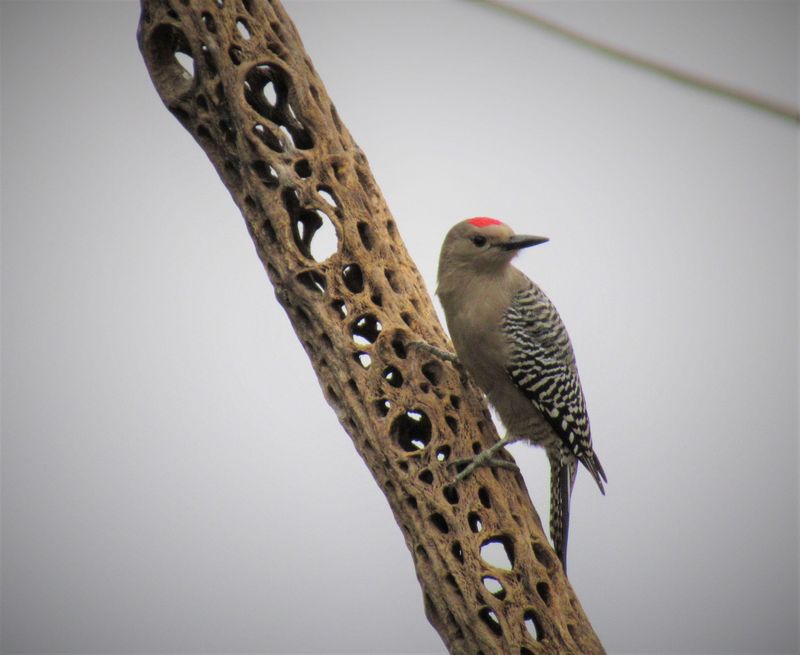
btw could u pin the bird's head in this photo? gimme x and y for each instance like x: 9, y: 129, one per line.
x: 481, y: 245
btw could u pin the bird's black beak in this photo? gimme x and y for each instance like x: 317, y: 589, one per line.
x: 519, y: 241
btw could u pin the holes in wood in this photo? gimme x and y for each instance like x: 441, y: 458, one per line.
x: 208, y: 21
x: 313, y: 231
x: 270, y: 94
x: 364, y: 359
x: 392, y: 376
x: 494, y: 586
x: 439, y: 522
x: 498, y: 552
x: 488, y: 616
x: 411, y: 502
x: 232, y: 173
x: 483, y: 496
x: 532, y: 625
x: 541, y: 554
x: 266, y: 89
x: 399, y: 346
x: 171, y: 57
x: 432, y: 371
x: 457, y: 551
x: 455, y: 401
x: 340, y: 308
x: 411, y: 430
x: 543, y: 589
x: 353, y: 278
x: 443, y: 453
x: 186, y: 62
x: 236, y: 54
x: 365, y: 235
x: 211, y: 65
x: 365, y: 330
x: 265, y: 173
x: 426, y: 476
x: 288, y: 136
x: 243, y: 28
x: 269, y: 230
x: 450, y: 494
x: 303, y: 168
x: 452, y: 423
x: 333, y: 397
x: 230, y: 136
x: 327, y: 195
x: 382, y: 406
x: 267, y: 137
x: 474, y: 521
x: 313, y: 281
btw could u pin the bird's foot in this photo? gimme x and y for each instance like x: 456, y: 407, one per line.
x: 482, y: 459
x: 446, y: 355
x: 486, y: 458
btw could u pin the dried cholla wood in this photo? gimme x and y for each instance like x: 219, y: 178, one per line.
x: 251, y: 98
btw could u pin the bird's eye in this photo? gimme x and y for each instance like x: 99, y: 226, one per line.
x: 479, y: 241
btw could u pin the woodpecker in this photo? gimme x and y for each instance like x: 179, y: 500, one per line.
x: 509, y: 337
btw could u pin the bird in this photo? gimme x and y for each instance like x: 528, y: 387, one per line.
x: 509, y: 337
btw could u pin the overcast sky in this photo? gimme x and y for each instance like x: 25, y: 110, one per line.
x: 172, y: 479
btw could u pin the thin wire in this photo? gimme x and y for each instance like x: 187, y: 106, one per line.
x: 665, y: 70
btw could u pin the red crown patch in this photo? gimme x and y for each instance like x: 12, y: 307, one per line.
x: 483, y: 221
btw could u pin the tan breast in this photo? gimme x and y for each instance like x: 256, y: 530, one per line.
x: 474, y: 312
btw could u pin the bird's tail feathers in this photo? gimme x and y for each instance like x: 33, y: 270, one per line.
x: 593, y: 465
x: 562, y: 477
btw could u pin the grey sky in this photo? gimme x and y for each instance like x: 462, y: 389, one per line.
x: 173, y: 481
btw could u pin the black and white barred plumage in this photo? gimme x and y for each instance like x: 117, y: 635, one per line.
x: 510, y: 339
x: 542, y: 366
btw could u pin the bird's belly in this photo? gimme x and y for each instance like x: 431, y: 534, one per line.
x: 480, y: 356
x: 519, y: 416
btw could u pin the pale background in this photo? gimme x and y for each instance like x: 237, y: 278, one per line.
x: 169, y: 482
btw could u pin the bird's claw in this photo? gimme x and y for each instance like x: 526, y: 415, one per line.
x: 446, y: 355
x: 482, y: 460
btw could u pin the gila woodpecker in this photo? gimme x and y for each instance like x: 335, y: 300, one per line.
x: 510, y: 338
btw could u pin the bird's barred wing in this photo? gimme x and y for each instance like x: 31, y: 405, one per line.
x: 542, y: 367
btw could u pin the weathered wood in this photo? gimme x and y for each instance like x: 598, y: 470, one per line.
x: 254, y: 103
